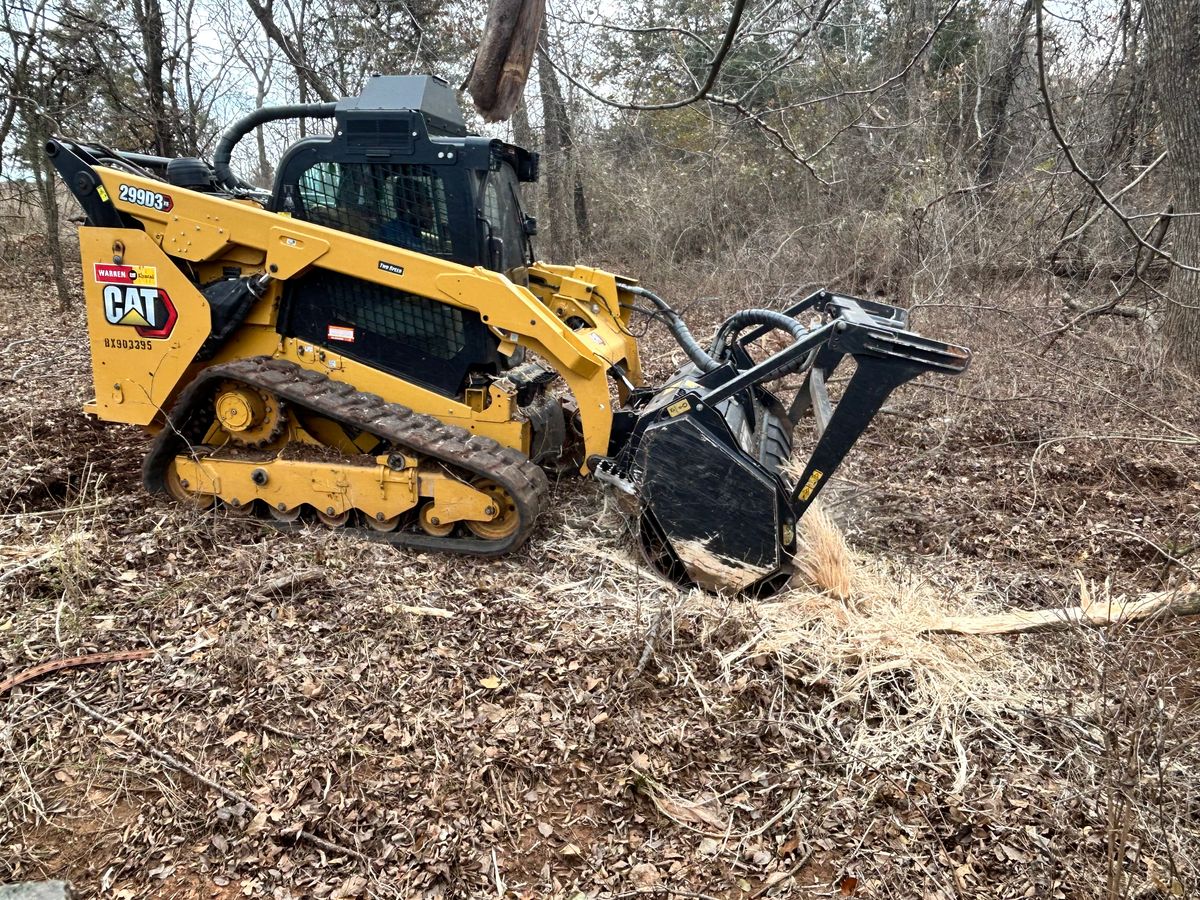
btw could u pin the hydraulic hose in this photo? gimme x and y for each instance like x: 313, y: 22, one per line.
x: 243, y: 126
x: 707, y: 360
x: 678, y: 328
x: 774, y: 320
x: 739, y: 321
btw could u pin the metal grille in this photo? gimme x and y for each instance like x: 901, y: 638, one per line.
x: 386, y: 314
x: 396, y: 203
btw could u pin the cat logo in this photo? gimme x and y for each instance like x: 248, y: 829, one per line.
x: 148, y: 310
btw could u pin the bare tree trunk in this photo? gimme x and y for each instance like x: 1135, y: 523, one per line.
x: 265, y: 170
x: 148, y: 17
x: 303, y: 99
x: 44, y: 176
x: 991, y: 158
x: 556, y: 158
x: 1173, y: 36
x: 523, y: 134
x: 17, y: 69
x: 583, y: 230
x: 182, y: 72
x: 522, y: 131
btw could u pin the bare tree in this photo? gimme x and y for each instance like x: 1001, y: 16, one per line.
x: 21, y: 37
x: 564, y: 191
x: 258, y: 55
x: 148, y: 17
x: 991, y: 157
x: 1173, y: 31
x: 293, y: 50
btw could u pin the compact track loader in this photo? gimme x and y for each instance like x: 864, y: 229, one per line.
x: 371, y: 342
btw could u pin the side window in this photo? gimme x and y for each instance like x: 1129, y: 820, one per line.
x: 318, y: 193
x: 416, y: 337
x: 396, y: 203
x: 414, y: 211
x: 502, y: 211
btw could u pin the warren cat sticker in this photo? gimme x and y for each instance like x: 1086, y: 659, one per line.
x: 341, y: 333
x: 142, y: 197
x: 109, y: 273
x: 148, y: 310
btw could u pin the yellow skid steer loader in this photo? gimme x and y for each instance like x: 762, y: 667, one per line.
x: 372, y: 342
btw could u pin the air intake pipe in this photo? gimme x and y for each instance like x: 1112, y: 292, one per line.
x: 243, y: 126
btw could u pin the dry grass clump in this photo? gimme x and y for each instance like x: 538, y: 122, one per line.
x: 851, y: 628
x: 824, y: 559
x: 860, y: 626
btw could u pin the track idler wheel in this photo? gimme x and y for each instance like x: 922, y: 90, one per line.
x: 250, y: 416
x: 180, y: 491
x: 507, y: 519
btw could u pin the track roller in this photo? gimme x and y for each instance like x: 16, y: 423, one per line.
x: 285, y: 514
x: 332, y: 519
x: 239, y: 510
x: 379, y: 522
x: 430, y: 523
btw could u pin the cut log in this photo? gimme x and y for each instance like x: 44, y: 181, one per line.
x: 1090, y: 613
x: 505, y: 55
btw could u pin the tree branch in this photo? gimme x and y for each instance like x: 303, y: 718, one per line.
x: 1068, y: 153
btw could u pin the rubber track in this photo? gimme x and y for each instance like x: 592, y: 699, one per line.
x: 423, y: 435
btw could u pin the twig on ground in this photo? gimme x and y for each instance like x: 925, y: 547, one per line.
x: 435, y: 611
x: 651, y: 638
x: 291, y: 580
x: 796, y: 867
x: 28, y: 564
x: 71, y: 662
x: 228, y: 793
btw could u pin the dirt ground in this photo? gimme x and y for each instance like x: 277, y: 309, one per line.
x: 332, y: 718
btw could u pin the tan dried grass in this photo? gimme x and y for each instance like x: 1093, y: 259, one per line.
x: 859, y: 626
x: 852, y: 626
x: 823, y: 558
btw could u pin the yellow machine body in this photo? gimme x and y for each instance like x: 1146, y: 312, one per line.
x: 137, y: 376
x: 149, y: 321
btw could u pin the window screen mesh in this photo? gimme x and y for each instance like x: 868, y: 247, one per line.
x: 385, y: 313
x: 397, y: 203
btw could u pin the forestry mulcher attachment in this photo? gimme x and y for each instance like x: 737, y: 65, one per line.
x: 351, y: 345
